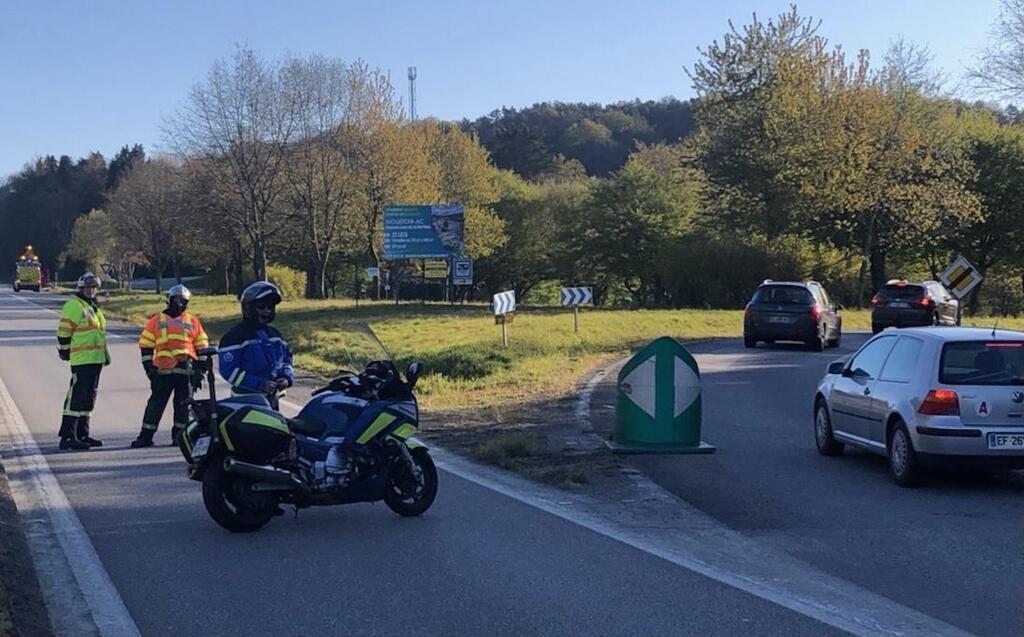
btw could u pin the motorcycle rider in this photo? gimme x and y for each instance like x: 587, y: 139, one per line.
x: 82, y: 341
x: 254, y: 358
x: 169, y: 345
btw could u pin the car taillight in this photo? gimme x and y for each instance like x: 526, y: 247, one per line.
x: 940, y: 402
x: 924, y: 301
x: 877, y: 300
x: 815, y: 312
x: 746, y: 312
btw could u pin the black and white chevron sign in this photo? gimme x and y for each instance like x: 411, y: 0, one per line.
x: 577, y: 296
x: 504, y: 302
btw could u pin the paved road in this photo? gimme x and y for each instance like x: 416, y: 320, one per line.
x: 479, y: 563
x: 953, y: 549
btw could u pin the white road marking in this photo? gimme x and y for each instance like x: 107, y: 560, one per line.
x: 82, y: 575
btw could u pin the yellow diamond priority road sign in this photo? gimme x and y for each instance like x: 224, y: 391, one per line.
x: 960, y: 278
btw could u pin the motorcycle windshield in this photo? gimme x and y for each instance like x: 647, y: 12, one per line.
x: 356, y: 346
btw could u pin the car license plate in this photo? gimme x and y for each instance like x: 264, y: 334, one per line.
x: 201, y: 447
x: 778, y: 319
x: 1006, y: 441
x: 899, y: 304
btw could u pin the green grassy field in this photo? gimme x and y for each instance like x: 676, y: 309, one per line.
x: 461, y: 346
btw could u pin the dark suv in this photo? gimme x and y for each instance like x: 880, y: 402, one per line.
x: 792, y: 311
x: 903, y: 304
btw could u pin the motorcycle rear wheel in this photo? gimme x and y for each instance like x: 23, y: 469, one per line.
x: 408, y: 497
x: 225, y: 501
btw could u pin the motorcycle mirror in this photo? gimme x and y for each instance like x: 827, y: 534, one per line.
x: 413, y: 373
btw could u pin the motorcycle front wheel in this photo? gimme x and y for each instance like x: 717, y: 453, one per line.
x: 231, y: 504
x: 409, y: 495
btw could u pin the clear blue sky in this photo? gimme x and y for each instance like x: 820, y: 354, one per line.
x: 95, y: 75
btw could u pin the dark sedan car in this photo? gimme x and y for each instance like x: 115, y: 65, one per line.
x: 904, y: 304
x: 792, y: 311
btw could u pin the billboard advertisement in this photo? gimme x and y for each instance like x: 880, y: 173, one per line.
x: 423, y: 232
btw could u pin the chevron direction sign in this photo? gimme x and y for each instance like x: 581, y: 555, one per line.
x: 504, y: 303
x: 573, y: 297
x: 659, y: 402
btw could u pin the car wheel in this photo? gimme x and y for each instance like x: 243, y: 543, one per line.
x: 823, y: 438
x: 819, y: 344
x: 837, y: 340
x: 749, y: 343
x: 903, y: 464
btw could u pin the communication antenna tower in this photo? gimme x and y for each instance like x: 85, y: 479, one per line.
x: 412, y: 93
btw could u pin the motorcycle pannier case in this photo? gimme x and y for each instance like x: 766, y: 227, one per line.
x: 256, y: 434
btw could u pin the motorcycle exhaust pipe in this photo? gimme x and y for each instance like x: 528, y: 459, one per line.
x: 261, y: 472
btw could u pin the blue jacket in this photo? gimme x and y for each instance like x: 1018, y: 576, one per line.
x: 251, y: 354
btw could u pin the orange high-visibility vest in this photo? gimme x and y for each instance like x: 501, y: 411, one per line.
x: 173, y: 340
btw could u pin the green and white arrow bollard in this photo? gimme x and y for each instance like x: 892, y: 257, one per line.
x: 659, y: 402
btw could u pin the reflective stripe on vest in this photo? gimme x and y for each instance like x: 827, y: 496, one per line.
x: 173, y: 340
x: 83, y: 328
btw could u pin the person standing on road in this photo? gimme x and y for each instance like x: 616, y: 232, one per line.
x: 254, y: 358
x: 82, y: 341
x: 169, y: 344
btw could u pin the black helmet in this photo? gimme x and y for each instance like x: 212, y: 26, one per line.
x: 259, y: 292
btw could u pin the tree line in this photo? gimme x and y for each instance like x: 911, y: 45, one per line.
x: 795, y: 160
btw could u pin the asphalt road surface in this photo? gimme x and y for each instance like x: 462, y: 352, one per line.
x: 478, y: 563
x: 953, y: 548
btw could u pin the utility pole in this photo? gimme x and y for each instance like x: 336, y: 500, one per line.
x: 412, y: 93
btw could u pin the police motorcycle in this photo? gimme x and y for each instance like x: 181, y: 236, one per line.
x: 352, y: 442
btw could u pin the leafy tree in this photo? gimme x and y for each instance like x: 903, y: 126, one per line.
x: 238, y: 124
x: 92, y: 240
x: 39, y: 205
x: 148, y: 212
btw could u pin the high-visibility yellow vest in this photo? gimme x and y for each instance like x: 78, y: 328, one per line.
x: 82, y: 330
x: 173, y: 340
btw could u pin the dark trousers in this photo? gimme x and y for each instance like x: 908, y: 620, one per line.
x: 162, y: 386
x: 81, y: 398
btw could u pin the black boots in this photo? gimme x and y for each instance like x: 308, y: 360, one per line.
x: 82, y: 432
x: 74, y: 434
x: 145, y: 439
x: 73, y: 444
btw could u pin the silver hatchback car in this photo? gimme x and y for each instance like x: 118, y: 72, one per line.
x: 929, y: 395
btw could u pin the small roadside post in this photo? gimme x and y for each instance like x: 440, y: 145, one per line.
x: 574, y: 298
x: 960, y: 278
x: 504, y: 305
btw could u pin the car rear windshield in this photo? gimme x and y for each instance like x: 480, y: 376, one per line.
x: 983, y: 363
x: 902, y: 292
x: 783, y: 295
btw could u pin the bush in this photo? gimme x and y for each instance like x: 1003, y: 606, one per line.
x: 292, y: 283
